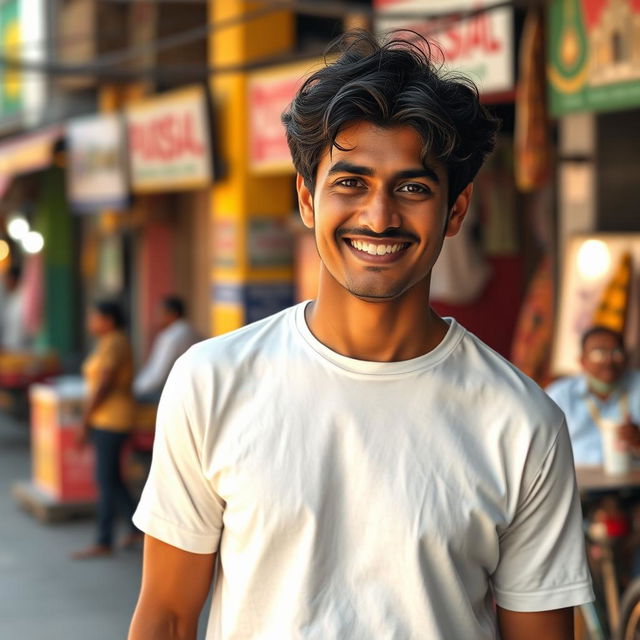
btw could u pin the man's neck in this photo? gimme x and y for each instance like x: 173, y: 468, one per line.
x: 600, y: 390
x: 389, y: 331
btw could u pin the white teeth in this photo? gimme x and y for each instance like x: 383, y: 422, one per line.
x: 376, y: 249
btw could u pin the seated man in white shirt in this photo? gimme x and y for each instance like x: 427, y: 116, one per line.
x: 605, y: 390
x: 175, y: 336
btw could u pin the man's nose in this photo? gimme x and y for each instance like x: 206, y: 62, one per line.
x: 378, y: 212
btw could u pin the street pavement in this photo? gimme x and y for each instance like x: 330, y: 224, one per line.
x: 43, y: 594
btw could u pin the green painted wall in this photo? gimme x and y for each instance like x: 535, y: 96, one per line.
x: 60, y: 329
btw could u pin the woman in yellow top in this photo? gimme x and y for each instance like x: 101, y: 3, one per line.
x: 108, y: 418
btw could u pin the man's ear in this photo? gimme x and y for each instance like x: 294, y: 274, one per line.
x: 459, y: 211
x: 305, y: 202
x: 582, y: 359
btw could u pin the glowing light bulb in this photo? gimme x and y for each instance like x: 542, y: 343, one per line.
x: 18, y: 227
x: 594, y: 259
x: 33, y: 242
x: 4, y: 250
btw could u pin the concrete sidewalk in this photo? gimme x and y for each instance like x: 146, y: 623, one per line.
x: 43, y: 594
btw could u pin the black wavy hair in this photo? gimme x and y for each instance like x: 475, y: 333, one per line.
x: 396, y: 82
x: 174, y: 305
x: 600, y: 328
x: 112, y: 310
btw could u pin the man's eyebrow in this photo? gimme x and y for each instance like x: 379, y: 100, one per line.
x: 346, y: 167
x: 423, y: 172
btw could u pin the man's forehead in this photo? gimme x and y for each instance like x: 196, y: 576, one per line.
x: 601, y: 338
x: 366, y: 140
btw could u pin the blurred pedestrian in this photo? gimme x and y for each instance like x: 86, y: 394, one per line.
x: 363, y: 467
x: 14, y: 335
x: 605, y: 390
x: 108, y: 418
x: 175, y: 336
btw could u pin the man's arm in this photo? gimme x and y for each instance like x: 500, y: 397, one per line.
x: 105, y: 383
x: 556, y: 624
x: 175, y: 584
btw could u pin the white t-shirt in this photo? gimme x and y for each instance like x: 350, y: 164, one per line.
x: 363, y: 500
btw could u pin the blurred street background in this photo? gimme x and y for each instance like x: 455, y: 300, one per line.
x: 142, y: 157
x: 44, y: 595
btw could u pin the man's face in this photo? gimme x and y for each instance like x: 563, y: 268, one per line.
x: 164, y: 317
x: 603, y: 358
x: 379, y: 214
x: 97, y: 323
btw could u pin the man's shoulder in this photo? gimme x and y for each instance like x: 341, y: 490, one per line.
x: 241, y: 344
x: 510, y: 387
x: 633, y: 379
x: 566, y: 385
x: 115, y: 340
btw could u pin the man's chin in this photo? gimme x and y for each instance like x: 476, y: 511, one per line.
x: 376, y: 296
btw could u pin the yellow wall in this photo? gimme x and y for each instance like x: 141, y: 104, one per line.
x: 241, y: 195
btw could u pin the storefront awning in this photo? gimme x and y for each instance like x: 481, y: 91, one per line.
x: 27, y: 153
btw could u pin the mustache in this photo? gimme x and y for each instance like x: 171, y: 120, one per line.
x: 392, y: 233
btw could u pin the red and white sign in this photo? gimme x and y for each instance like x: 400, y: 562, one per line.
x: 270, y: 93
x: 480, y: 46
x: 60, y: 467
x: 169, y: 142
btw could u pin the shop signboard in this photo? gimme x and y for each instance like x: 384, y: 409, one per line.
x: 29, y: 152
x: 593, y: 55
x: 258, y: 299
x: 269, y: 94
x: 225, y: 242
x: 170, y: 142
x: 270, y: 242
x: 479, y: 44
x: 97, y: 171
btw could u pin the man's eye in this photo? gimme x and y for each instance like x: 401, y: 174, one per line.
x: 348, y: 182
x: 414, y: 187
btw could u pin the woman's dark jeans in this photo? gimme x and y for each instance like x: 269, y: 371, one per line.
x: 112, y: 491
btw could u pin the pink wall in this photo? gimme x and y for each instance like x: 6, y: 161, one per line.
x: 157, y: 274
x: 493, y: 317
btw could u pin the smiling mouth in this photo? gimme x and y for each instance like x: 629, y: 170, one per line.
x: 378, y: 249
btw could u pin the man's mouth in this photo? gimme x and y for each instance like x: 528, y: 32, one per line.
x: 378, y: 249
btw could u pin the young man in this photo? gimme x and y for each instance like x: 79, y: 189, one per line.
x: 174, y: 337
x: 606, y: 389
x: 358, y: 467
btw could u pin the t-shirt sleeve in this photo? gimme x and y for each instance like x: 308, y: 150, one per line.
x: 557, y: 391
x: 542, y: 563
x: 178, y: 504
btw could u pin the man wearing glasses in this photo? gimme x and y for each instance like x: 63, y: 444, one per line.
x: 606, y: 390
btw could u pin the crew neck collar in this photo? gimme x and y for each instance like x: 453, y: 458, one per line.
x: 451, y: 339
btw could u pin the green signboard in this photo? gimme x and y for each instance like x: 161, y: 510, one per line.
x: 593, y: 55
x: 10, y: 47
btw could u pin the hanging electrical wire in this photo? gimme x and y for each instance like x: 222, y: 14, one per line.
x: 106, y: 66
